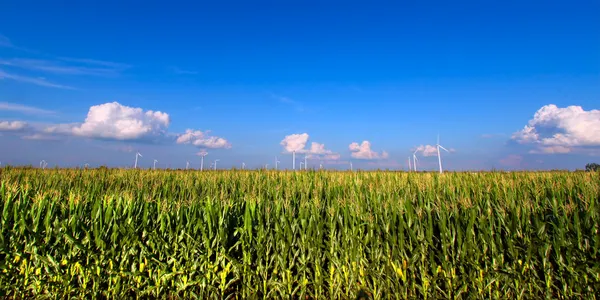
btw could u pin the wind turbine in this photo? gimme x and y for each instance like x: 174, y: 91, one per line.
x: 243, y: 166
x: 415, y: 159
x: 216, y: 160
x: 154, y: 166
x: 276, y: 163
x: 136, y: 159
x: 86, y: 165
x: 294, y: 160
x: 305, y: 163
x: 321, y: 166
x: 409, y: 165
x: 202, y: 161
x: 438, y: 151
x: 266, y: 166
x: 187, y: 165
x: 301, y: 163
x: 43, y: 164
x: 351, y: 167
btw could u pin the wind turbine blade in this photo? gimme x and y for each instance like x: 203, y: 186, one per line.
x: 444, y: 148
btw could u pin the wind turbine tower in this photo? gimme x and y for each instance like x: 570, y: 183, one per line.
x: 438, y: 153
x: 415, y: 160
x: 136, y: 159
x: 202, y: 161
x: 154, y: 166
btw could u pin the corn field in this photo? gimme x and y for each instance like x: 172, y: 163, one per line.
x: 68, y: 233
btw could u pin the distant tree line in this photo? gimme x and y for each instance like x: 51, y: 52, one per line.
x: 592, y: 167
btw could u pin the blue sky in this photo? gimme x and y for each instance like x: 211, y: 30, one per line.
x: 252, y: 74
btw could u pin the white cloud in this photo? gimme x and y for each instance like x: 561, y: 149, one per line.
x: 6, y: 106
x: 317, y: 151
x: 13, y: 126
x: 202, y: 153
x: 114, y: 121
x: 560, y: 130
x: 295, y: 142
x: 120, y: 122
x: 363, y: 151
x: 427, y: 150
x: 202, y: 139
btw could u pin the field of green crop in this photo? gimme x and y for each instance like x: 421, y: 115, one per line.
x: 326, y: 235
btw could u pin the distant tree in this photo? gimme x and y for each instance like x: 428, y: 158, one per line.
x: 592, y: 167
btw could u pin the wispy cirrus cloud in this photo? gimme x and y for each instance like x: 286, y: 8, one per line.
x: 7, y: 106
x: 180, y: 71
x: 492, y: 135
x: 87, y: 61
x: 5, y: 42
x: 289, y: 101
x: 40, y: 81
x: 57, y: 67
x: 44, y: 63
x: 40, y: 137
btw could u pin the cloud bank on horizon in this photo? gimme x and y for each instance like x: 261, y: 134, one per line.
x: 552, y: 130
x: 117, y: 122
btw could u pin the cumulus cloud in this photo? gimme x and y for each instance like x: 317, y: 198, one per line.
x: 427, y: 150
x: 202, y: 139
x: 363, y: 151
x: 295, y: 142
x: 561, y: 130
x: 13, y: 126
x: 202, y: 152
x: 115, y: 121
x: 298, y: 142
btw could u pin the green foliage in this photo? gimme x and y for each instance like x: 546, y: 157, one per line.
x: 242, y: 234
x: 592, y: 167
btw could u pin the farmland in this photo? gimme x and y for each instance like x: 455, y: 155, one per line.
x: 264, y: 234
